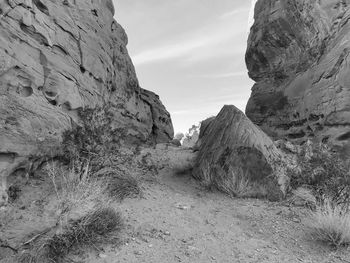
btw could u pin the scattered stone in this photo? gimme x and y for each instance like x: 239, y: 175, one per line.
x: 102, y: 255
x: 182, y: 207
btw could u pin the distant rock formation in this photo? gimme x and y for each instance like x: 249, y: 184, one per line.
x: 298, y: 54
x: 60, y: 56
x: 191, y: 137
x: 234, y: 150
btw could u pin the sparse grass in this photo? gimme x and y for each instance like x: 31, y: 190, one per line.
x: 76, y: 191
x: 121, y: 187
x: 235, y: 185
x: 304, y: 197
x: 244, y: 188
x: 94, y: 228
x: 330, y: 224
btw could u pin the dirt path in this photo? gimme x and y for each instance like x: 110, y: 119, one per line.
x: 178, y: 221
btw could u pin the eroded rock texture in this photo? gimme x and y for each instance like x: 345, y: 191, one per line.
x: 234, y: 151
x: 298, y: 54
x: 57, y: 57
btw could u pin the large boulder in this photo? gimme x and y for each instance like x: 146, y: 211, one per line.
x: 298, y: 54
x: 235, y: 152
x: 203, y: 130
x: 57, y: 57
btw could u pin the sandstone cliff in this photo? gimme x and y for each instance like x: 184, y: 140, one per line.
x: 298, y: 55
x: 60, y: 56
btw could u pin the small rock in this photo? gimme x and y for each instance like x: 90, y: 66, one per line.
x: 182, y: 207
x: 138, y: 252
x: 102, y: 255
x: 296, y: 220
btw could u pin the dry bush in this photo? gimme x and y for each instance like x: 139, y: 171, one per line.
x: 303, y: 197
x: 330, y: 224
x: 76, y: 191
x: 121, y: 187
x: 244, y: 188
x: 236, y: 185
x: 326, y: 173
x: 94, y: 228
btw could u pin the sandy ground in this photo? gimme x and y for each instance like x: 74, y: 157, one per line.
x: 177, y: 220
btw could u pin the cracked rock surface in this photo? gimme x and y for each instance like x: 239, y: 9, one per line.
x: 57, y: 57
x: 234, y: 150
x: 298, y: 54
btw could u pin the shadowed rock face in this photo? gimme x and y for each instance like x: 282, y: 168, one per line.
x: 60, y: 56
x: 233, y: 150
x: 298, y: 54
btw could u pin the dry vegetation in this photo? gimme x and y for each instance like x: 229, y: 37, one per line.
x: 76, y: 190
x: 330, y: 223
x: 94, y: 228
x: 84, y: 187
x: 324, y: 185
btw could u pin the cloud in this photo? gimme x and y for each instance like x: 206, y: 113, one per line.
x: 169, y: 51
x: 194, y: 47
x: 181, y: 112
x: 234, y: 12
x: 222, y: 75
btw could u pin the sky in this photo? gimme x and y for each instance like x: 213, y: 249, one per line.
x: 189, y: 52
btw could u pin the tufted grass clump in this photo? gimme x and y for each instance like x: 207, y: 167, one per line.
x: 330, y: 224
x: 121, y: 187
x: 76, y: 190
x: 95, y: 228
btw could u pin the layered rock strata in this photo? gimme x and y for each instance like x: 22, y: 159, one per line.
x: 298, y: 54
x: 57, y: 57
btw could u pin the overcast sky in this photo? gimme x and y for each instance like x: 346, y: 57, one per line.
x: 189, y: 52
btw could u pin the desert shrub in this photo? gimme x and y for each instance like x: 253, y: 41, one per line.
x: 121, y: 187
x: 94, y: 228
x: 325, y: 173
x: 95, y: 141
x: 330, y: 223
x: 303, y: 197
x: 76, y: 191
x: 92, y: 135
x: 235, y: 185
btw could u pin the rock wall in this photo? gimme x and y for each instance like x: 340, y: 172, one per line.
x: 298, y: 54
x: 60, y: 56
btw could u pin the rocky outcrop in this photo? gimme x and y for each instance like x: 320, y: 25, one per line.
x: 203, y: 130
x: 298, y: 54
x: 57, y: 57
x: 235, y: 152
x: 162, y: 128
x: 191, y: 137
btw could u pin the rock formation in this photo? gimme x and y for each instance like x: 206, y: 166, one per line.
x: 203, y: 130
x: 60, y: 56
x: 298, y: 54
x: 234, y: 150
x: 191, y: 137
